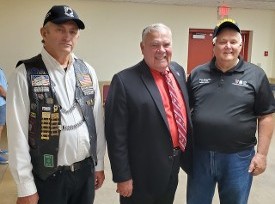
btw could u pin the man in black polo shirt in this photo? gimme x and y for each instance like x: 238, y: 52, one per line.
x: 230, y: 99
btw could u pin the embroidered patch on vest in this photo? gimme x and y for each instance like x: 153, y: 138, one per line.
x: 86, y: 84
x: 40, y: 80
x: 48, y: 160
x: 85, y: 79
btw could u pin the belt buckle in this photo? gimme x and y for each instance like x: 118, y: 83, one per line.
x: 72, y: 168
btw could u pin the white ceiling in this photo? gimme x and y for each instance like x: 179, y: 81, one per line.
x: 247, y: 4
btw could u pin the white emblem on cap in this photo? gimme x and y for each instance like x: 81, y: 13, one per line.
x: 48, y: 14
x: 68, y: 11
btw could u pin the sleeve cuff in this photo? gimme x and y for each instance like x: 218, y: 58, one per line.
x: 100, y: 165
x: 26, y: 189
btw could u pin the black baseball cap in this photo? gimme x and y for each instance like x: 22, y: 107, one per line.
x: 61, y: 13
x: 226, y: 23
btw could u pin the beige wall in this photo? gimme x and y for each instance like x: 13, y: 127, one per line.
x: 111, y: 39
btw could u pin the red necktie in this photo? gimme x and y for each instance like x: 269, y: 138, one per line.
x: 176, y: 111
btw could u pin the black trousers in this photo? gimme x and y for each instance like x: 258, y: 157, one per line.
x: 166, y: 198
x: 66, y: 187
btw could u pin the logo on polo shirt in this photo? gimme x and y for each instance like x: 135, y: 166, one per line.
x: 239, y: 82
x: 204, y: 81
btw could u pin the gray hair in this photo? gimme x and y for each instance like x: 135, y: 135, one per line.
x: 155, y: 27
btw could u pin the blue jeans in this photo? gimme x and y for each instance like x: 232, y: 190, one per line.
x: 228, y: 171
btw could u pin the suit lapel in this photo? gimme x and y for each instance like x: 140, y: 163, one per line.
x: 150, y: 84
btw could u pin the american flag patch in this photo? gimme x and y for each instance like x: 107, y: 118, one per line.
x: 40, y: 80
x: 85, y: 80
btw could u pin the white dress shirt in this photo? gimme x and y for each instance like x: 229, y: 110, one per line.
x: 74, y: 145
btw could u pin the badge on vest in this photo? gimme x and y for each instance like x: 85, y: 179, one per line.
x: 85, y: 79
x: 54, y: 124
x: 49, y: 101
x: 48, y: 160
x: 87, y: 90
x: 33, y: 106
x: 49, y: 124
x: 86, y: 84
x: 41, y: 89
x: 45, y: 125
x: 40, y: 80
x: 90, y: 102
x: 40, y: 83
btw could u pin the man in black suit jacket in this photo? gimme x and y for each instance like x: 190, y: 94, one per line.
x: 140, y: 125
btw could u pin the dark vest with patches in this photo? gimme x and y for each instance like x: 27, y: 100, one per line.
x: 44, y: 119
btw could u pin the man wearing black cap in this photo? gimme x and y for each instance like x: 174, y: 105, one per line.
x: 55, y: 121
x: 231, y: 99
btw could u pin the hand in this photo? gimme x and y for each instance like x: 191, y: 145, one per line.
x: 99, y: 178
x: 31, y: 199
x: 258, y: 164
x: 125, y: 189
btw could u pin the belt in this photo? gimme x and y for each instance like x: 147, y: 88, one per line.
x: 176, y: 151
x: 76, y: 166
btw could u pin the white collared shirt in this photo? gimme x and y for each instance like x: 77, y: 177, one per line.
x: 74, y: 145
